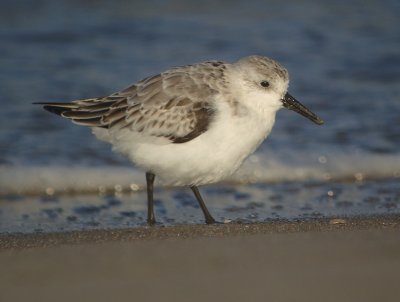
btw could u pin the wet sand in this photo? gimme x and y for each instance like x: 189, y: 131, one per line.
x: 355, y: 259
x: 20, y: 241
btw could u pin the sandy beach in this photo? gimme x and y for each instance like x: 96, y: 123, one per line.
x: 354, y: 259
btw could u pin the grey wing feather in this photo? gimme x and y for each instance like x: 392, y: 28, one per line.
x: 177, y: 104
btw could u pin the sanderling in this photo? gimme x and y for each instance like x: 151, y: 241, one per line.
x: 190, y: 125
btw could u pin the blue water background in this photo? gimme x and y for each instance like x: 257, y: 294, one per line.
x: 343, y: 58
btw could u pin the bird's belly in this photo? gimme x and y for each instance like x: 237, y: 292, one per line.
x: 209, y: 158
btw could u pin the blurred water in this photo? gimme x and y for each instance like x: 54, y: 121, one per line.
x: 230, y: 204
x: 343, y: 58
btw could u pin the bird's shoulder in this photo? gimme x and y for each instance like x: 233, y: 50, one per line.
x: 196, y: 82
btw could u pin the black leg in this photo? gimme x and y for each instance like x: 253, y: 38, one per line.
x: 207, y: 215
x: 151, y: 219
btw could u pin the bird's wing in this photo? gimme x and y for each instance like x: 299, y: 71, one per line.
x: 177, y: 104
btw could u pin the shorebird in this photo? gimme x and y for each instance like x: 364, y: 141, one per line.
x: 191, y: 125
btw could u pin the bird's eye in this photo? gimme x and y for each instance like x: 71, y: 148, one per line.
x: 264, y: 83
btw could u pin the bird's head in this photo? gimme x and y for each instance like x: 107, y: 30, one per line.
x: 265, y: 81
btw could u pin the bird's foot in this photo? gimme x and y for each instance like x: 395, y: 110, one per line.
x: 213, y: 221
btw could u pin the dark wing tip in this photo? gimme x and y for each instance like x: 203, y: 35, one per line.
x: 71, y: 111
x: 57, y: 108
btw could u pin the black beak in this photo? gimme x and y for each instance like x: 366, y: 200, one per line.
x: 291, y: 103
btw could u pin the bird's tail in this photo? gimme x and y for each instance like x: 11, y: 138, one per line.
x: 85, y: 112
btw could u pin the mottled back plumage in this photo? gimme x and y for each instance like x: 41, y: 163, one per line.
x: 176, y: 104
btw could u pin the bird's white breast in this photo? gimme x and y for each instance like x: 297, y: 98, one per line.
x: 210, y: 157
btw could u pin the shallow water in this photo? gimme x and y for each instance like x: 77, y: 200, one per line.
x: 228, y: 203
x: 342, y: 57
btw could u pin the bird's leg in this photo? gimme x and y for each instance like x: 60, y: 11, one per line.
x: 151, y: 219
x: 207, y: 215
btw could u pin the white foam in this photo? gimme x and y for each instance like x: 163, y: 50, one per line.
x: 334, y: 166
x: 56, y: 179
x: 258, y: 168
